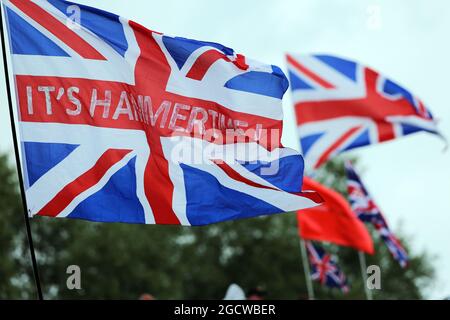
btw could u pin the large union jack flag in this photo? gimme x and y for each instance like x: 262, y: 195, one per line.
x: 324, y: 268
x: 341, y: 105
x: 366, y: 209
x: 122, y: 124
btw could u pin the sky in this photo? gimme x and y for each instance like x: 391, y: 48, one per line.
x: 406, y: 40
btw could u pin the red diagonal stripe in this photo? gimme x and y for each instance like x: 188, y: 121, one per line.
x: 204, y: 62
x: 58, y: 29
x: 423, y: 110
x: 208, y: 58
x: 311, y: 195
x: 335, y: 145
x: 309, y: 73
x: 237, y: 176
x: 83, y: 183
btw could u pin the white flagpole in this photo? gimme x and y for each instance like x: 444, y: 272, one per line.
x: 362, y: 262
x: 309, y: 284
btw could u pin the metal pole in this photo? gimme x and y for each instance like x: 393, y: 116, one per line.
x: 309, y: 284
x: 19, y: 168
x: 362, y: 262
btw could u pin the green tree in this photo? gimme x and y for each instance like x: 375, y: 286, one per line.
x: 14, y: 266
x: 172, y: 262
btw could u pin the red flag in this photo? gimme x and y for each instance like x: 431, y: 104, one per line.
x: 333, y: 221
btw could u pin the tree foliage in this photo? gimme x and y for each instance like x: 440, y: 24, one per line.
x: 14, y: 269
x: 171, y: 262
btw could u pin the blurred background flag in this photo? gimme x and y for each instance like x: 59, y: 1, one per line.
x: 341, y: 104
x: 367, y: 211
x: 104, y: 104
x: 333, y: 221
x: 324, y: 268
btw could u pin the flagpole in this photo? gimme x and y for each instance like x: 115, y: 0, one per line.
x: 19, y: 170
x: 362, y: 262
x: 309, y: 284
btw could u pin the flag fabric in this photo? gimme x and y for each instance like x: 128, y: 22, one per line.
x: 122, y: 124
x: 324, y: 268
x: 342, y: 105
x: 367, y: 211
x: 333, y: 221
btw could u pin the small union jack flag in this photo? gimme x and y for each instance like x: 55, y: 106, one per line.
x: 324, y: 268
x: 342, y: 105
x: 366, y: 209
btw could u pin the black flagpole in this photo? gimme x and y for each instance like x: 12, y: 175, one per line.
x: 19, y: 170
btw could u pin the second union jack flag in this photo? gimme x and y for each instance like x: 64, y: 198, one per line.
x: 366, y: 209
x: 342, y: 105
x: 122, y: 124
x: 324, y: 268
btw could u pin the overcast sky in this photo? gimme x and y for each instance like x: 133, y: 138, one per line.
x: 406, y: 40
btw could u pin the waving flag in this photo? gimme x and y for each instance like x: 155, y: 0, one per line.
x: 324, y: 268
x: 341, y: 105
x: 122, y: 124
x: 366, y: 209
x: 333, y: 221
